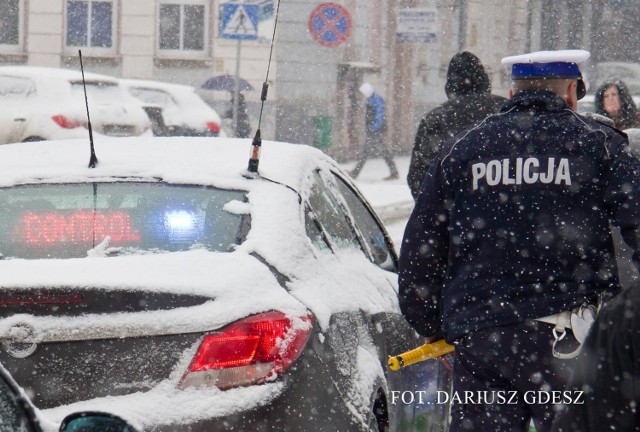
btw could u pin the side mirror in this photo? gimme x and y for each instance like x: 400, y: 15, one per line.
x: 91, y: 421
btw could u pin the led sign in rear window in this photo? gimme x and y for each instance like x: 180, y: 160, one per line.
x: 66, y: 221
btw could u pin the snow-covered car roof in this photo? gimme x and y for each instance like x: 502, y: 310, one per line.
x: 37, y: 72
x: 207, y: 161
x: 218, y: 162
x: 157, y: 85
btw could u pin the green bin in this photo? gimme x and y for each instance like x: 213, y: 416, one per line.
x: 323, y: 126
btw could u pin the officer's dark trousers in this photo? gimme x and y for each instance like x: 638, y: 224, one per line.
x: 504, y: 374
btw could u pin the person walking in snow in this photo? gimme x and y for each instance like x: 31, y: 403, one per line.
x: 468, y: 89
x: 375, y: 130
x: 508, y: 248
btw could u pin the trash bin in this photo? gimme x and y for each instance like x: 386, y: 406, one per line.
x: 323, y: 126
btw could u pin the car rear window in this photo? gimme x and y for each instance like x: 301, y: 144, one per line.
x: 16, y: 87
x: 101, y: 92
x: 77, y: 220
x: 151, y: 96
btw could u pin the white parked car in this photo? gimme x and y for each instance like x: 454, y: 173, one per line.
x: 184, y: 113
x: 39, y: 103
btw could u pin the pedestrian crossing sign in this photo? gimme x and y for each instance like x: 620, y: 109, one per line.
x: 239, y: 21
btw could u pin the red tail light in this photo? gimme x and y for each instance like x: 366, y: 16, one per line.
x: 249, y: 351
x: 66, y: 122
x: 213, y: 127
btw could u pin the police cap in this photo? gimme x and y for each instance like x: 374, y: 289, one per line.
x: 549, y: 64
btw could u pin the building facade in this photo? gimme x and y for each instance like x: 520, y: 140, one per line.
x: 313, y: 96
x: 166, y: 40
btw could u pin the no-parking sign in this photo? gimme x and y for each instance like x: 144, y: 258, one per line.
x: 330, y: 24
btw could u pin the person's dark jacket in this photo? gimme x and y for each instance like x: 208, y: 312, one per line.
x: 608, y: 372
x: 629, y: 116
x: 468, y: 89
x: 512, y: 222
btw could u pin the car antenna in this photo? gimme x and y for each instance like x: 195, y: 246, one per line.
x: 254, y: 158
x: 93, y: 160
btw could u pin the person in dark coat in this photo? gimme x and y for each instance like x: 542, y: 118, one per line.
x: 375, y: 131
x: 510, y: 238
x: 608, y: 372
x: 243, y: 124
x: 614, y: 101
x: 468, y: 89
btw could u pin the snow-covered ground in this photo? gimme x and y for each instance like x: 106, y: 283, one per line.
x: 391, y: 198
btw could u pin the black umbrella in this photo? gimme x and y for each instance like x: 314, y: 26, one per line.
x: 226, y: 83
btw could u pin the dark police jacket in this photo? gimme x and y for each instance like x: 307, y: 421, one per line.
x: 512, y: 221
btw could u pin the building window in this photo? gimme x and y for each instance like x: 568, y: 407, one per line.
x: 183, y: 27
x: 11, y: 25
x: 90, y: 25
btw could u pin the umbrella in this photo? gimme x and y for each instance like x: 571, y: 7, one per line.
x: 226, y: 83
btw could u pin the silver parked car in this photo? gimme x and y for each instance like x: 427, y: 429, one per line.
x: 183, y: 112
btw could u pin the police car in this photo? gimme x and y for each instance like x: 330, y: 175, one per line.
x: 172, y: 289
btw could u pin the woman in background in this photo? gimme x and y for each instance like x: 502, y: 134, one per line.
x: 614, y: 101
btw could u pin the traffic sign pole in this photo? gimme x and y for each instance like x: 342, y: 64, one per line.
x: 236, y: 90
x: 238, y: 21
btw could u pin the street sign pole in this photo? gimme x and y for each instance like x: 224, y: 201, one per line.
x: 236, y: 90
x: 238, y: 21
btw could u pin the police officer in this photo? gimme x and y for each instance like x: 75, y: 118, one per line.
x: 510, y: 235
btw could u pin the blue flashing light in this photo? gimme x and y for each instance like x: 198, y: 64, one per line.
x: 180, y: 220
x: 178, y: 226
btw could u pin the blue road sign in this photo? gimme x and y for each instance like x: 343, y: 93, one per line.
x: 239, y: 21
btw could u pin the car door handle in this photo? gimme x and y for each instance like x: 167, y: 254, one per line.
x: 20, y: 119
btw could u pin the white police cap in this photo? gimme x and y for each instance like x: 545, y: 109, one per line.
x: 549, y: 64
